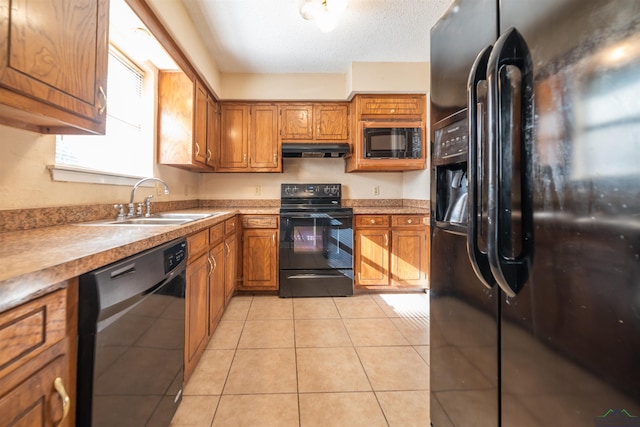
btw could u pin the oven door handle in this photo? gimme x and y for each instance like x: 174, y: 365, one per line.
x: 314, y: 276
x: 329, y: 215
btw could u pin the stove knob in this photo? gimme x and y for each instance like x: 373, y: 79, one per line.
x: 327, y: 190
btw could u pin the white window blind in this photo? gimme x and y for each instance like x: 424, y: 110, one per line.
x: 126, y: 149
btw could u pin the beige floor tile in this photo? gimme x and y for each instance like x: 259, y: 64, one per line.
x: 267, y: 334
x: 394, y: 368
x: 264, y: 410
x: 226, y: 335
x: 270, y: 370
x: 405, y: 408
x: 270, y: 307
x: 414, y: 329
x: 195, y: 411
x: 374, y: 332
x: 359, y: 308
x: 315, y: 308
x: 210, y: 374
x: 340, y: 410
x: 237, y: 309
x: 330, y: 370
x: 424, y: 352
x: 414, y: 304
x: 321, y: 333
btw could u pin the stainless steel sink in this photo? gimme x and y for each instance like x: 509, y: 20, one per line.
x: 163, y: 218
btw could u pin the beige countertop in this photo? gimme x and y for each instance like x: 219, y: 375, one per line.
x: 36, y: 261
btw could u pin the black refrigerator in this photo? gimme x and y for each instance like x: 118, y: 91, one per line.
x: 535, y: 214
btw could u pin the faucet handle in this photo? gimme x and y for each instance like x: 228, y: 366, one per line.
x: 147, y: 202
x: 139, y: 209
x: 120, y: 209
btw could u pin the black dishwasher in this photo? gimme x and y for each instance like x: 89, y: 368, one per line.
x: 131, y: 339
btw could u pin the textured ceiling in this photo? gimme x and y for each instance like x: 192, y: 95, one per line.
x: 270, y: 36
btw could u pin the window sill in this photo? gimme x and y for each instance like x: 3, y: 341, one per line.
x: 66, y: 173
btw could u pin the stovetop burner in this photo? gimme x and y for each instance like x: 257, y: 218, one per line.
x: 315, y: 197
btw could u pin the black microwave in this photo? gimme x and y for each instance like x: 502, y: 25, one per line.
x: 391, y: 141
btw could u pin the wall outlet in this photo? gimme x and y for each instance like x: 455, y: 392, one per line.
x: 376, y: 190
x: 258, y: 190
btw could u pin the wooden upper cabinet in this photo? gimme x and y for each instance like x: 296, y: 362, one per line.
x: 263, y: 138
x: 331, y: 122
x: 249, y: 139
x: 234, y: 137
x: 182, y: 122
x: 213, y: 131
x: 200, y: 125
x: 53, y: 79
x: 317, y: 122
x: 296, y: 122
x: 391, y: 106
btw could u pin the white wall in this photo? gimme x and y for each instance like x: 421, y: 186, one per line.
x: 355, y: 185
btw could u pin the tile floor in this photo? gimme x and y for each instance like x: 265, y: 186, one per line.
x: 356, y: 361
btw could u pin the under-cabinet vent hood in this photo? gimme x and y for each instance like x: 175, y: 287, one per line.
x: 314, y: 150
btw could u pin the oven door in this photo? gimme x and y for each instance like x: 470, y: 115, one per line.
x: 316, y: 241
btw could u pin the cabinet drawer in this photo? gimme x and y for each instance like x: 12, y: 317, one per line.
x: 31, y: 328
x: 216, y: 234
x: 197, y: 244
x: 260, y: 221
x: 372, y: 220
x: 408, y: 220
x: 230, y: 225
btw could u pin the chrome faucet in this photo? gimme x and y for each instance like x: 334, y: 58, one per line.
x: 147, y: 201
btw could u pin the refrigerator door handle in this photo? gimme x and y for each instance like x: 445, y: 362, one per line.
x: 476, y: 198
x: 510, y: 203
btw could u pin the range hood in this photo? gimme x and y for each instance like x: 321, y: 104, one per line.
x: 296, y: 149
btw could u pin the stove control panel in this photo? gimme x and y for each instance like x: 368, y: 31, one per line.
x: 311, y: 190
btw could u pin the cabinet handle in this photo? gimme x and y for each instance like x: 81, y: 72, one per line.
x: 66, y: 401
x: 275, y: 159
x: 386, y: 239
x: 373, y: 221
x: 208, y: 154
x: 244, y: 158
x: 410, y: 221
x: 210, y: 266
x: 197, y: 149
x: 393, y: 110
x: 273, y: 238
x: 215, y: 264
x: 104, y: 106
x: 226, y: 246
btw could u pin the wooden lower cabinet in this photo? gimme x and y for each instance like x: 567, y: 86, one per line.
x: 216, y: 286
x: 260, y: 241
x: 37, y: 361
x: 231, y: 258
x: 391, y: 251
x: 211, y: 277
x: 197, y: 312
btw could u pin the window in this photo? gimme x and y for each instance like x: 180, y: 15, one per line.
x: 127, y: 147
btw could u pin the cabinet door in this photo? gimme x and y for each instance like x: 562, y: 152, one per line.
x: 231, y: 266
x: 396, y: 107
x: 197, y: 312
x: 35, y: 402
x: 234, y: 138
x: 213, y: 130
x: 372, y: 257
x: 331, y: 122
x: 53, y: 63
x: 296, y: 122
x: 264, y: 142
x: 216, y: 286
x: 200, y: 125
x: 409, y: 257
x: 260, y: 259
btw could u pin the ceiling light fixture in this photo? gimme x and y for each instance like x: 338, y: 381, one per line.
x: 324, y: 13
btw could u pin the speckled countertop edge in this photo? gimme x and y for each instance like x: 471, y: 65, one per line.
x: 35, y: 261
